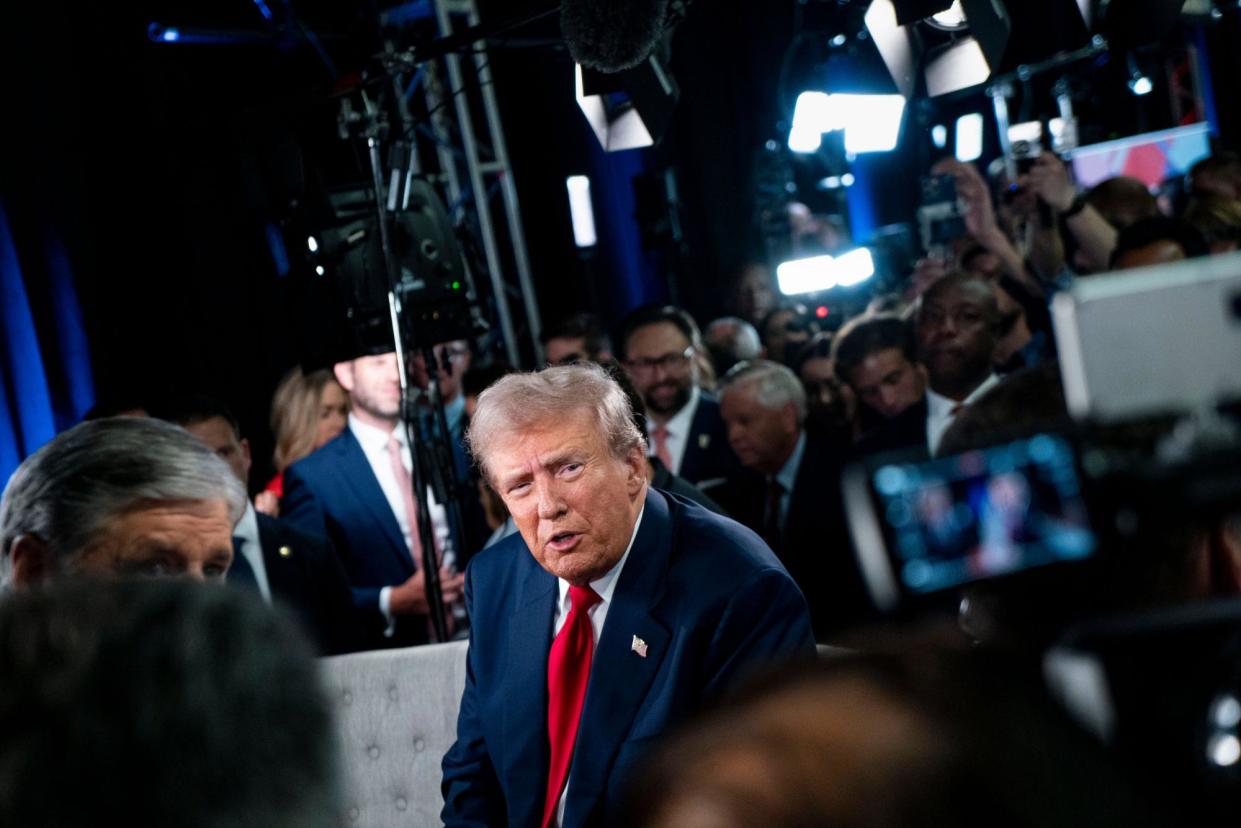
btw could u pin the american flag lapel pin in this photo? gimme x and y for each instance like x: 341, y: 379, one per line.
x: 638, y: 646
x: 704, y: 440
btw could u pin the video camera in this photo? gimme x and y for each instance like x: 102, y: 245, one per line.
x: 1087, y: 528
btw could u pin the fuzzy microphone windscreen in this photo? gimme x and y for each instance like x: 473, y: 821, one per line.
x: 612, y: 35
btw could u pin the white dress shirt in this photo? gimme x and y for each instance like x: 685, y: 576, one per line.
x: 678, y: 426
x: 247, y: 530
x: 604, y: 586
x: 939, y: 411
x: 374, y: 443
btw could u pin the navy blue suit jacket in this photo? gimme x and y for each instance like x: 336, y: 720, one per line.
x: 306, y: 577
x: 707, y: 453
x: 334, y: 494
x: 706, y: 595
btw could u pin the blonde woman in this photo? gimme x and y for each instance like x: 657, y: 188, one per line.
x: 307, y: 411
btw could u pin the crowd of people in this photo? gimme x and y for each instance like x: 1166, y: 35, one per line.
x: 680, y: 482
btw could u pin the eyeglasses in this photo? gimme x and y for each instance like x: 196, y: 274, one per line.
x: 669, y: 362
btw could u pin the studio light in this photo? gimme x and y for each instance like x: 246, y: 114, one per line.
x: 629, y: 109
x: 944, y: 46
x: 939, y: 136
x: 820, y: 273
x: 969, y: 137
x: 871, y: 123
x: 312, y: 244
x: 581, y: 211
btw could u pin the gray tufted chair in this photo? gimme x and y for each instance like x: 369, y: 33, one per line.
x: 397, y: 716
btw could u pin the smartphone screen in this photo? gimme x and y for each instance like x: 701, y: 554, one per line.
x: 982, y: 514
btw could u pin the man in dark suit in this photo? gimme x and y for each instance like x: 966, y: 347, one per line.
x: 285, y: 566
x: 357, y: 492
x: 616, y: 611
x: 662, y: 350
x: 789, y: 491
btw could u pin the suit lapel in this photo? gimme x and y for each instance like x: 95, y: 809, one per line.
x: 356, y: 471
x: 619, y: 676
x: 699, y: 426
x: 524, y: 770
x: 284, y: 576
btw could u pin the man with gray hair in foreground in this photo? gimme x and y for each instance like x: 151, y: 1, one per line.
x: 119, y: 496
x: 789, y: 491
x: 615, y: 612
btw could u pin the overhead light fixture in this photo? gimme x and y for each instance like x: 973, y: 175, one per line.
x: 581, y: 211
x: 629, y: 109
x: 871, y: 123
x: 969, y: 137
x: 819, y: 273
x: 939, y: 136
x: 943, y: 45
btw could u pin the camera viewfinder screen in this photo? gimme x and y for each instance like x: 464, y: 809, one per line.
x: 983, y: 514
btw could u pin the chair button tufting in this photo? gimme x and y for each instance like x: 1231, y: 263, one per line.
x: 420, y: 745
x: 373, y: 751
x: 401, y: 804
x: 347, y: 697
x: 354, y: 813
x: 392, y: 693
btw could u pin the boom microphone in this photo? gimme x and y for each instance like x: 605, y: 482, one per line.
x: 612, y: 35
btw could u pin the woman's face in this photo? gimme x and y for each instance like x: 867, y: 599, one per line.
x: 333, y: 412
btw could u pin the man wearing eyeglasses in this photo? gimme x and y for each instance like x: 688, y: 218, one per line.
x: 661, y: 349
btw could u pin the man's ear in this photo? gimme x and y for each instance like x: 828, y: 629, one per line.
x: 344, y: 375
x: 636, y: 461
x: 788, y: 418
x: 30, y: 559
x: 245, y: 458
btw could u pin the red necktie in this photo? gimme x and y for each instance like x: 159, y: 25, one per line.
x: 568, y: 670
x: 660, y: 433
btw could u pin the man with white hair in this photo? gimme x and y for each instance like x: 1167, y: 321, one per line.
x: 122, y: 496
x: 615, y: 612
x: 790, y: 490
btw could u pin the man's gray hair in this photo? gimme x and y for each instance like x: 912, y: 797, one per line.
x: 776, y: 384
x: 67, y: 490
x: 520, y: 401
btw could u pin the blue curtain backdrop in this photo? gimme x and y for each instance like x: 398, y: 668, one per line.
x: 45, y: 375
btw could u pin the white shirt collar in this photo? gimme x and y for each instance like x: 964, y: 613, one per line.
x: 678, y: 424
x: 787, y: 475
x: 605, y: 584
x: 247, y: 529
x: 374, y: 440
x: 939, y: 411
x: 939, y: 405
x: 248, y: 526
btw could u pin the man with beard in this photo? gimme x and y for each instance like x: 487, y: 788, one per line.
x: 661, y: 348
x: 957, y: 326
x: 357, y: 492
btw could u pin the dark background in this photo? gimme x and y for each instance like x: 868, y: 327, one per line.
x: 161, y: 169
